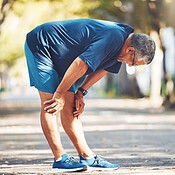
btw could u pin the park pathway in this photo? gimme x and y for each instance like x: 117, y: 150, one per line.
x: 128, y: 132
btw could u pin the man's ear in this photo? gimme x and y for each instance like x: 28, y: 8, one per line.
x: 130, y: 50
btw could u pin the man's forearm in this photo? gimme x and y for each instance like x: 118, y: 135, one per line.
x: 76, y: 70
x: 93, y: 78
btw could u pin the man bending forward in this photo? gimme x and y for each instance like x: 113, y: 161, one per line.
x: 63, y: 55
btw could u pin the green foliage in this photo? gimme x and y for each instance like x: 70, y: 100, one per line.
x: 121, y: 11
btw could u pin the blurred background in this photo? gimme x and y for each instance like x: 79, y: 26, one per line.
x: 153, y: 17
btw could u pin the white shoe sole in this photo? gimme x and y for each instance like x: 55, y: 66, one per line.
x: 102, y: 169
x: 59, y: 170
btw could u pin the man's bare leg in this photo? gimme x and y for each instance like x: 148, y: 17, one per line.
x: 49, y: 124
x: 73, y: 126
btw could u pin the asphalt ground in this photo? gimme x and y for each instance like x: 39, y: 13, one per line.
x: 131, y: 133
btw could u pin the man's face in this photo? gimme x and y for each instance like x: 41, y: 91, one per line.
x: 136, y: 62
x: 130, y: 58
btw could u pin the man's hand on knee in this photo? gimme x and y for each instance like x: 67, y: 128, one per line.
x: 79, y: 104
x: 55, y: 104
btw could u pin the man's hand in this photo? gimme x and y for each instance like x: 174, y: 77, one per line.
x: 56, y: 103
x: 79, y: 104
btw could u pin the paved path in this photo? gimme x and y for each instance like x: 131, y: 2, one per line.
x: 128, y: 132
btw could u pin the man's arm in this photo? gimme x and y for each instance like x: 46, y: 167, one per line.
x: 76, y: 70
x: 93, y: 78
x: 89, y: 81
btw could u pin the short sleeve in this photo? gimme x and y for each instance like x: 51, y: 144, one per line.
x: 103, y: 48
x: 114, y: 68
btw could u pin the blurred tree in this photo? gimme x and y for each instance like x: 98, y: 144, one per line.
x: 4, y: 9
x: 158, y: 21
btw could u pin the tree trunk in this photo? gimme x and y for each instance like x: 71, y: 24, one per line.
x: 156, y: 67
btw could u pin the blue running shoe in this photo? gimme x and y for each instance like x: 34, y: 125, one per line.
x: 68, y: 164
x: 97, y: 163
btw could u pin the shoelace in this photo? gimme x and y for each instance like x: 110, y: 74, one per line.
x: 99, y: 160
x: 71, y: 160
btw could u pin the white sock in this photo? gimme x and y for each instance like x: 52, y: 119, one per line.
x: 59, y: 159
x: 92, y: 156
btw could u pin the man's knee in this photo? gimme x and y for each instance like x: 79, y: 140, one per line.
x: 69, y: 105
x: 44, y: 96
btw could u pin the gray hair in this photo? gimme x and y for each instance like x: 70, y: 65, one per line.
x: 144, y: 46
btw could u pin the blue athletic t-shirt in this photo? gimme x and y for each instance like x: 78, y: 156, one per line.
x: 97, y: 42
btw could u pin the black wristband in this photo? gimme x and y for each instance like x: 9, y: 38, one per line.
x: 83, y: 91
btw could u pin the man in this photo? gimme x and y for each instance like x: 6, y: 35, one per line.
x: 59, y: 56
